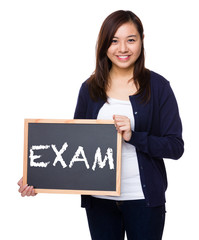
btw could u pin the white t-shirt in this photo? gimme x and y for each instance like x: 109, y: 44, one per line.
x: 130, y: 177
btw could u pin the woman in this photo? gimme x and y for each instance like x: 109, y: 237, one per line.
x: 145, y: 111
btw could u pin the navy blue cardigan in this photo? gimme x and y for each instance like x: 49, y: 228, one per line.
x: 157, y: 134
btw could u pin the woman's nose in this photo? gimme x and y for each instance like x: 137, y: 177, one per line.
x: 123, y: 47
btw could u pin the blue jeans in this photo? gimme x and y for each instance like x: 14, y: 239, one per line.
x: 109, y: 220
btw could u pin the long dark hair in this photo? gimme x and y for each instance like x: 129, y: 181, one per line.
x: 98, y: 81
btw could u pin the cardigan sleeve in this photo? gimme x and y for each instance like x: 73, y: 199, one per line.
x: 169, y: 144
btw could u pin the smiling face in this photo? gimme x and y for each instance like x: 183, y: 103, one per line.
x: 125, y: 48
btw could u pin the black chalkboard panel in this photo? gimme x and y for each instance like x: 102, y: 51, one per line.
x: 72, y: 156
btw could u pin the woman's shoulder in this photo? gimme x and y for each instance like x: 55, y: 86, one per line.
x: 84, y: 88
x: 158, y: 79
x: 160, y: 86
x: 85, y: 84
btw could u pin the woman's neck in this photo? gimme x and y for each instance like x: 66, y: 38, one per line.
x: 121, y: 84
x: 121, y: 74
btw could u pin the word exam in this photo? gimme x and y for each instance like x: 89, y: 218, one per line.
x: 79, y: 156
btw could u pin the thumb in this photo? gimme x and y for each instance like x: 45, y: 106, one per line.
x: 20, y: 182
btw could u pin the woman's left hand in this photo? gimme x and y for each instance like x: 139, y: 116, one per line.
x: 123, y: 126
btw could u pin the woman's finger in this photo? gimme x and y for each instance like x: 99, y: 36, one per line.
x: 20, y: 182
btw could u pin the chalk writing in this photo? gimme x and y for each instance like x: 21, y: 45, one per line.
x: 108, y: 156
x: 33, y: 157
x: 76, y: 158
x: 59, y: 157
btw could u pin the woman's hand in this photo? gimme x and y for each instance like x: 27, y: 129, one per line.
x: 123, y: 126
x: 26, y: 190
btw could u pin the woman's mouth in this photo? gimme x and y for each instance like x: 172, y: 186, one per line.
x: 123, y: 57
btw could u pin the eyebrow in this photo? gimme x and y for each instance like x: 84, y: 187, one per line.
x: 128, y: 36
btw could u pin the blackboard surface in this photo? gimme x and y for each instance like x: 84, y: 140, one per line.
x: 72, y: 156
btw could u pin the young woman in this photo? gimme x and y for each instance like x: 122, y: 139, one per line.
x: 145, y: 111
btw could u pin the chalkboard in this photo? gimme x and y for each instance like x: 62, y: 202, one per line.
x: 72, y: 156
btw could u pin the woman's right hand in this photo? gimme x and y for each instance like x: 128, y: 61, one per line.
x: 26, y: 190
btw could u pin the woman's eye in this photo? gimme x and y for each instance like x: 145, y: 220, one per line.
x: 131, y: 40
x: 114, y: 41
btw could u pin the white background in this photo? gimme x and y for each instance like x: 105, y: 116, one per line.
x: 47, y: 49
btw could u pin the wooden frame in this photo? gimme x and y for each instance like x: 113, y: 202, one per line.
x: 67, y: 191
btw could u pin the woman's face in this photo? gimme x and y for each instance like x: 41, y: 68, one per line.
x: 125, y: 47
